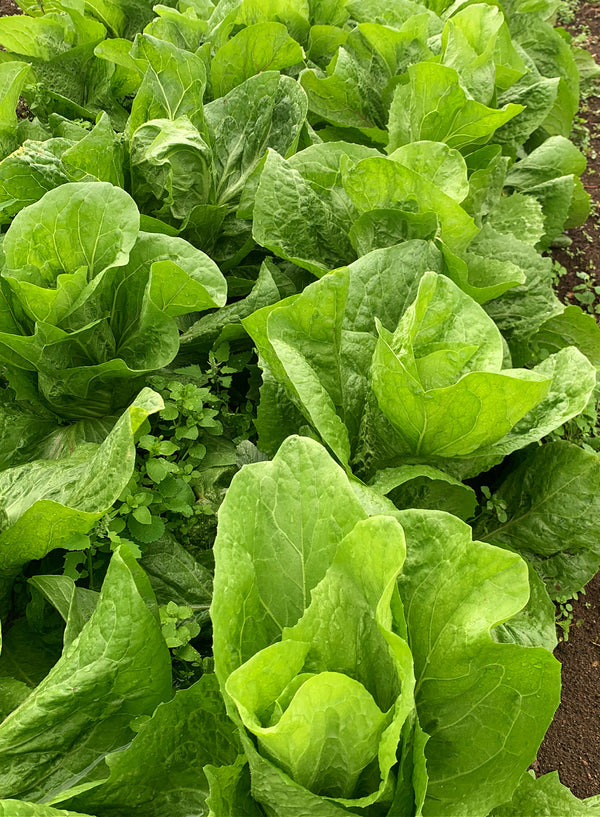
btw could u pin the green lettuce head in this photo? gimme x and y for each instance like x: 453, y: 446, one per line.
x: 362, y: 663
x: 88, y: 302
x: 392, y: 363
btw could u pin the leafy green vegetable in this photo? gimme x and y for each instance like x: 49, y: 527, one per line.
x: 117, y: 669
x: 255, y: 49
x: 13, y: 76
x: 46, y: 504
x: 89, y: 303
x: 436, y: 390
x: 173, y: 84
x: 434, y: 105
x: 551, y: 174
x: 370, y: 656
x: 183, y: 735
x: 313, y: 567
x: 546, y: 795
x: 557, y: 537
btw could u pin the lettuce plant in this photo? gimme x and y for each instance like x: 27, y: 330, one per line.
x: 385, y: 381
x: 65, y: 75
x: 363, y: 659
x: 48, y: 504
x: 372, y: 656
x: 89, y: 302
x: 13, y: 76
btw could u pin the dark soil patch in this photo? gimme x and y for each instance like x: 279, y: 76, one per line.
x: 8, y: 8
x: 572, y: 744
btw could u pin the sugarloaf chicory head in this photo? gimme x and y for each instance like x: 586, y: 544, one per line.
x: 361, y: 664
x: 88, y: 301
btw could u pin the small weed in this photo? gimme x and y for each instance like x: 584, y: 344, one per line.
x: 567, y: 11
x: 564, y: 616
x: 497, y: 506
x: 584, y: 429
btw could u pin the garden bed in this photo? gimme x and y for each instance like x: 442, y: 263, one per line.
x: 335, y: 574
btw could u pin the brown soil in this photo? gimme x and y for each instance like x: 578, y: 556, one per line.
x: 572, y: 744
x: 8, y: 7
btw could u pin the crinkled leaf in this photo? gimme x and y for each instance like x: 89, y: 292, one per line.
x: 173, y: 84
x: 546, y: 796
x: 28, y: 173
x: 520, y: 216
x: 171, y: 168
x: 433, y: 105
x: 454, y: 590
x: 265, y: 111
x: 161, y: 771
x: 291, y: 220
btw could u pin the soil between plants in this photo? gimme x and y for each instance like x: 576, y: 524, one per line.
x: 572, y: 743
x: 8, y: 7
x: 583, y: 256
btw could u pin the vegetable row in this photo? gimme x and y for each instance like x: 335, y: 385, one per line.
x: 357, y: 201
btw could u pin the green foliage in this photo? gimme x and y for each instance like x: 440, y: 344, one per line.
x: 431, y: 390
x: 306, y: 610
x: 184, y: 464
x: 371, y: 655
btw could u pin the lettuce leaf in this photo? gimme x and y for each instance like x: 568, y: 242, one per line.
x: 117, y: 669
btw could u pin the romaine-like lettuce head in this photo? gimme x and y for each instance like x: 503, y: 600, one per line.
x: 361, y: 660
x: 438, y: 378
x: 386, y: 382
x: 88, y: 302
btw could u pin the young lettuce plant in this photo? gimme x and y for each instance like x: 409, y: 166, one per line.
x: 88, y: 306
x: 190, y: 161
